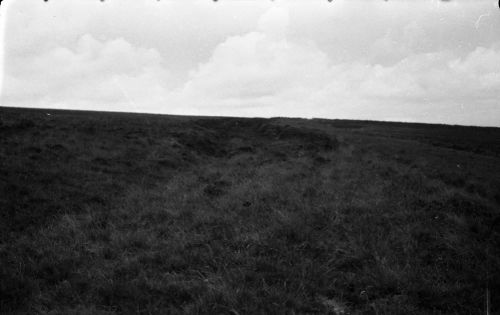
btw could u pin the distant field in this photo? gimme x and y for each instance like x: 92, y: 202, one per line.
x: 114, y: 213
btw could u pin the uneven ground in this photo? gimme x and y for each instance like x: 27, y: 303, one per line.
x: 104, y: 213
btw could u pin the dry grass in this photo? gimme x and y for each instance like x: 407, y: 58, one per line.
x: 118, y: 213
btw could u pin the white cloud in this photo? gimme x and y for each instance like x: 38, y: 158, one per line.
x: 343, y: 59
x: 95, y: 73
x: 268, y: 73
x: 432, y: 87
x: 261, y: 68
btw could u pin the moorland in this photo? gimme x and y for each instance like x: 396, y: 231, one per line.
x: 119, y: 213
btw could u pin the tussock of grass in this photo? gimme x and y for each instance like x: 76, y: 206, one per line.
x: 110, y: 213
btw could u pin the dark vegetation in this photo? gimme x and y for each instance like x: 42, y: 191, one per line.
x: 104, y: 213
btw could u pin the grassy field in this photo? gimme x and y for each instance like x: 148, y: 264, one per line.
x: 113, y: 213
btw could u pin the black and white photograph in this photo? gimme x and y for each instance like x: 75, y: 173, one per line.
x: 241, y: 157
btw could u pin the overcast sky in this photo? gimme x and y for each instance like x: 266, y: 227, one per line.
x: 425, y: 61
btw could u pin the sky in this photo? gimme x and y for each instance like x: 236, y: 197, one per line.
x: 400, y: 60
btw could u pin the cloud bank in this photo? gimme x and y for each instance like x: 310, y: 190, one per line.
x: 284, y: 59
